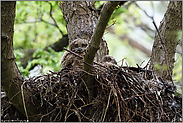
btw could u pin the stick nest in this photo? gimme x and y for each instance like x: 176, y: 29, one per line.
x: 121, y: 95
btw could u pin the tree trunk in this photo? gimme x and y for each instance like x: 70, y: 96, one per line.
x: 171, y: 32
x: 12, y: 78
x: 81, y: 18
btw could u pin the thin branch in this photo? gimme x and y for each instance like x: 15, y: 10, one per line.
x: 55, y: 23
x: 41, y: 19
x: 151, y: 17
x: 162, y: 42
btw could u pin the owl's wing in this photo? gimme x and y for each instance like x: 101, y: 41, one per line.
x: 78, y: 62
x: 67, y: 60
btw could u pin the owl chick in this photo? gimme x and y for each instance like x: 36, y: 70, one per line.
x: 70, y: 60
x: 108, y: 58
x: 108, y: 61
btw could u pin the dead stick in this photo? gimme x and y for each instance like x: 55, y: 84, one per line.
x: 22, y: 90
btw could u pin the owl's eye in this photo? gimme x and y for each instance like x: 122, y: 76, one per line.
x: 108, y: 59
x: 76, y: 45
x: 84, y: 45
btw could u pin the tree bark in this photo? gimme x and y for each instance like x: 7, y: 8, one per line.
x: 169, y: 29
x: 81, y: 18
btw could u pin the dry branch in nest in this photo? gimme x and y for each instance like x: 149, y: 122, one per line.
x: 122, y: 95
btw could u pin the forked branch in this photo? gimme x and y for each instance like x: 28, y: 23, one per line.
x: 95, y: 41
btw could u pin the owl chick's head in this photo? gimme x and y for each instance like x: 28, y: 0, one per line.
x: 108, y: 58
x: 78, y: 45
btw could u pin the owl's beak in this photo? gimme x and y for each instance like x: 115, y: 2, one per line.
x: 79, y: 49
x: 114, y: 61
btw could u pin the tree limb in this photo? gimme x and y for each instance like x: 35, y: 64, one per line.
x: 95, y: 41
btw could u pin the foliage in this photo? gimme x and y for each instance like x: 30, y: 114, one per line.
x: 98, y: 4
x: 30, y: 32
x: 48, y: 60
